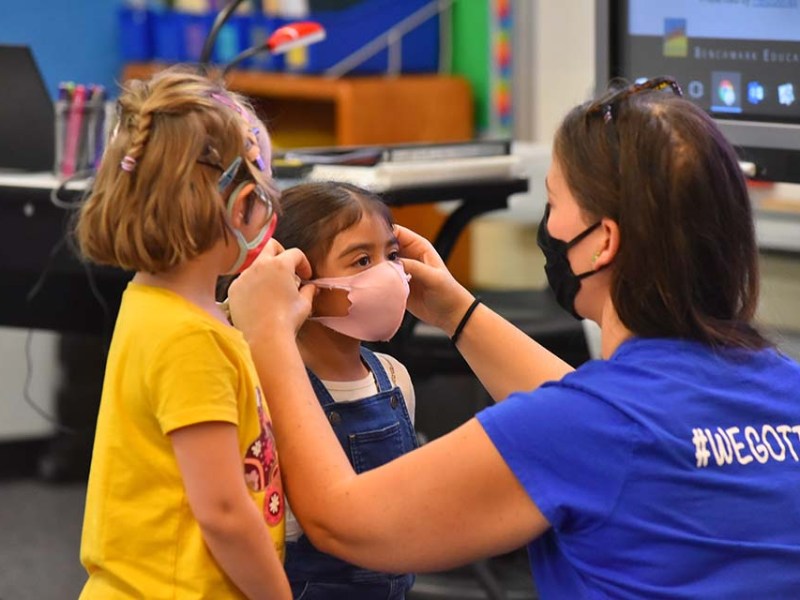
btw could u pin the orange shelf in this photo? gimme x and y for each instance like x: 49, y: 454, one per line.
x: 355, y: 110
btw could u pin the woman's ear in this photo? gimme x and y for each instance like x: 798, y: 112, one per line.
x: 605, y: 254
x: 237, y: 204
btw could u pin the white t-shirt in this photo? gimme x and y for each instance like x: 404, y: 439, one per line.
x: 350, y: 391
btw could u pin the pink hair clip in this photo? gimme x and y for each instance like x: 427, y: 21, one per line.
x: 227, y: 101
x: 128, y: 164
x: 222, y: 99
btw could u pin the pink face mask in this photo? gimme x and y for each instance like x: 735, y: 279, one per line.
x: 377, y: 302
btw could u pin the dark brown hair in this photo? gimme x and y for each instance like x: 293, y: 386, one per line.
x: 687, y: 264
x: 313, y: 214
x: 166, y: 209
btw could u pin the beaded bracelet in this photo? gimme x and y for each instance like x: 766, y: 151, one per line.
x: 464, y: 320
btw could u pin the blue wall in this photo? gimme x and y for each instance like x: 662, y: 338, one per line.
x: 72, y: 40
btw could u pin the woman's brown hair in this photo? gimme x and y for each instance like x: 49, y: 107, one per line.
x: 314, y: 213
x: 155, y: 203
x: 658, y: 166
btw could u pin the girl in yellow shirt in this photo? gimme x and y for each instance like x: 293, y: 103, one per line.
x: 184, y: 497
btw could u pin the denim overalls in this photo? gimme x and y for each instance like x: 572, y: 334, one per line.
x: 372, y: 431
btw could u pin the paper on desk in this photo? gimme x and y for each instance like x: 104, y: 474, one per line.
x: 386, y: 176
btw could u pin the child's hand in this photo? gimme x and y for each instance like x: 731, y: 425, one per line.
x: 267, y: 299
x: 436, y: 297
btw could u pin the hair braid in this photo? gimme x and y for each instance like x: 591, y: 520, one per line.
x: 140, y: 135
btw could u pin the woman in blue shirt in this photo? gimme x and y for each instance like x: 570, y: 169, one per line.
x: 670, y: 468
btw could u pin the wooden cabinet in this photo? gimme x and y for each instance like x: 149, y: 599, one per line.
x: 303, y: 110
x: 356, y: 110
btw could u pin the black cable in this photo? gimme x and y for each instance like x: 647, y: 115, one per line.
x: 26, y: 390
x: 57, y: 200
x: 242, y: 56
x: 103, y: 305
x: 57, y: 193
x: 37, y: 286
x: 219, y: 21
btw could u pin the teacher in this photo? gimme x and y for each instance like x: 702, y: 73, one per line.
x: 669, y: 468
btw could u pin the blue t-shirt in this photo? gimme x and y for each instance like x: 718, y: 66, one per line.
x: 667, y: 471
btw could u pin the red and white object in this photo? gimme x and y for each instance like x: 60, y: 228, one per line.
x: 295, y: 35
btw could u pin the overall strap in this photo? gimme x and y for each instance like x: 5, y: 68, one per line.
x: 375, y: 365
x: 323, y: 395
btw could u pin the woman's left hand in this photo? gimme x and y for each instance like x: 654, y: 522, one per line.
x: 267, y: 298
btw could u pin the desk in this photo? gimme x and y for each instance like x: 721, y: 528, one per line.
x: 33, y: 240
x: 777, y: 226
x: 33, y: 237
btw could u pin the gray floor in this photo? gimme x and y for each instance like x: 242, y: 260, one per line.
x: 40, y: 536
x: 39, y: 539
x: 40, y: 522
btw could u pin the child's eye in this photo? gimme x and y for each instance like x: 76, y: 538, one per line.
x: 394, y: 255
x: 363, y: 261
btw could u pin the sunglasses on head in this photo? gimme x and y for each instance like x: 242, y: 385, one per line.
x: 607, y: 107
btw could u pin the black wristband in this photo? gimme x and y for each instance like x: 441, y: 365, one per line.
x: 464, y: 320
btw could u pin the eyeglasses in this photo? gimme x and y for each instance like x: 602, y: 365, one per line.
x: 231, y: 174
x: 607, y: 107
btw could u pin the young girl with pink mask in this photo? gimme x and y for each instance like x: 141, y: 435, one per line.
x: 347, y: 235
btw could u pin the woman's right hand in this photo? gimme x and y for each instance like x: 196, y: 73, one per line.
x: 267, y: 297
x: 436, y: 297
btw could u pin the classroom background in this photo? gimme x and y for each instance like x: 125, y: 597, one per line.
x: 527, y: 62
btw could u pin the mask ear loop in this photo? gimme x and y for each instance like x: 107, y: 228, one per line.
x: 240, y: 241
x: 237, y: 191
x: 265, y: 233
x: 328, y: 286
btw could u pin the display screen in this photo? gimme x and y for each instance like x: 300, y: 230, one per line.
x: 738, y: 59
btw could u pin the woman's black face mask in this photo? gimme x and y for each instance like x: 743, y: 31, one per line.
x: 563, y: 281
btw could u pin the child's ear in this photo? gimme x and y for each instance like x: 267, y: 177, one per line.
x: 238, y: 210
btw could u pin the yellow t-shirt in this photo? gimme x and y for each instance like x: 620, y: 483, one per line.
x: 170, y: 365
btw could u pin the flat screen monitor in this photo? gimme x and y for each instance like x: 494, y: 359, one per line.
x: 737, y: 59
x: 26, y: 113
